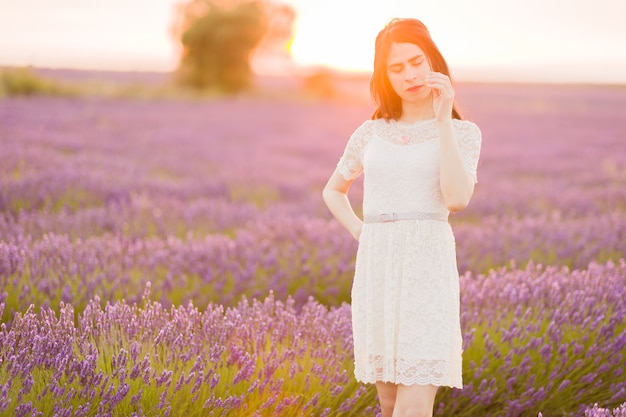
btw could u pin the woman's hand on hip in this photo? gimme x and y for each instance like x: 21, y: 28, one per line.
x: 356, y: 233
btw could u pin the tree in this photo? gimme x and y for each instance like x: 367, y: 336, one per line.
x: 218, y: 37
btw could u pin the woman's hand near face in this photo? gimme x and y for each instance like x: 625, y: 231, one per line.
x: 443, y: 94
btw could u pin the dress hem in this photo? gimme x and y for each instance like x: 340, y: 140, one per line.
x: 409, y: 383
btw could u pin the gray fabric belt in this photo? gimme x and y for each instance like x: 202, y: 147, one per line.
x: 392, y: 217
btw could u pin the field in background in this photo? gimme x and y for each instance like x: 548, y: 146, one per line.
x: 142, y: 225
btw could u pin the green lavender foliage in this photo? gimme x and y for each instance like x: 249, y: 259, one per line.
x: 26, y: 82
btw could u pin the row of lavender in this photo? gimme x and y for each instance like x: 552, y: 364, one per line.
x: 293, y: 256
x: 543, y: 151
x: 209, y: 201
x: 538, y: 339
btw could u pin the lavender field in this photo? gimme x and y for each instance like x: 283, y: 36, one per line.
x: 173, y: 257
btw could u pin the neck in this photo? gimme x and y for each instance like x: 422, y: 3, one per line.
x: 413, y: 112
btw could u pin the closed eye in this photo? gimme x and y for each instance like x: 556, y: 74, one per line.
x: 415, y: 61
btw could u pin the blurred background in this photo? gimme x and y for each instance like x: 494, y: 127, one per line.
x: 555, y: 41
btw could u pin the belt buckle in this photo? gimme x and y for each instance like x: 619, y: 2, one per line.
x: 388, y: 217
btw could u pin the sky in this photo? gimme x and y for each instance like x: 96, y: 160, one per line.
x: 483, y: 40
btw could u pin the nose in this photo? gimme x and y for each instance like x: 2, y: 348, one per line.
x: 410, y: 74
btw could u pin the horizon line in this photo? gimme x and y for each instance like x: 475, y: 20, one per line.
x: 459, y: 75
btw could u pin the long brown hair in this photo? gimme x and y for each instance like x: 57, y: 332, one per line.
x: 401, y: 31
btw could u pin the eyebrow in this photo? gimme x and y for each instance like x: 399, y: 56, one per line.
x: 416, y: 57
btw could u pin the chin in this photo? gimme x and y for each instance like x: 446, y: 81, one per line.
x: 414, y: 98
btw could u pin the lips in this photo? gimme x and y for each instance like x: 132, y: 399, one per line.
x: 414, y: 89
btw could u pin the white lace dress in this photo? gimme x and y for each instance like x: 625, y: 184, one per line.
x: 405, y: 295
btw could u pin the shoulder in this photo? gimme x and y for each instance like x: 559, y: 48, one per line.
x: 467, y: 130
x: 368, y: 127
x: 365, y: 132
x: 465, y: 125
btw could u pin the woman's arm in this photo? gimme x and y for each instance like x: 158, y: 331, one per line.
x: 457, y: 186
x: 335, y: 196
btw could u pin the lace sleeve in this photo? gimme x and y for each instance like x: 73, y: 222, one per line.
x: 350, y: 165
x: 470, y: 139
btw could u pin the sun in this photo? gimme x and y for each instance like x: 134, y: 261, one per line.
x: 338, y: 35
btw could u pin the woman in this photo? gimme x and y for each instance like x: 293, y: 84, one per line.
x: 419, y: 163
